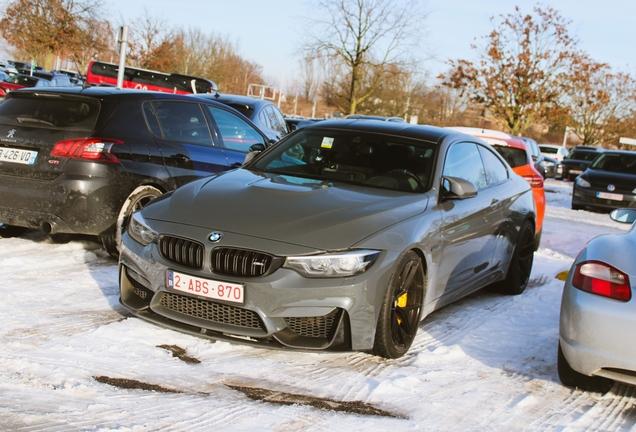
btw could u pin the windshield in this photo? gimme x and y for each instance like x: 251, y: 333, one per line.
x: 616, y: 162
x: 583, y: 155
x: 369, y: 159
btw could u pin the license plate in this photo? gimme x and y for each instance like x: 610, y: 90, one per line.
x: 25, y: 157
x: 575, y: 171
x: 610, y: 196
x: 204, y: 287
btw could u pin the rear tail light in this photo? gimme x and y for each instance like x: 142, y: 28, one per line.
x: 536, y: 181
x: 93, y: 149
x: 602, y: 279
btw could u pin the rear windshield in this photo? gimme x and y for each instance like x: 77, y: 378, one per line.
x: 616, y: 162
x: 514, y: 156
x: 549, y: 150
x: 583, y: 155
x: 49, y: 111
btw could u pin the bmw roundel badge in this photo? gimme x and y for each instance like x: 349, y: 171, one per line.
x: 215, y: 237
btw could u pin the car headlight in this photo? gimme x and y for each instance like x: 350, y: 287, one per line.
x: 582, y: 182
x: 139, y: 230
x: 332, y: 264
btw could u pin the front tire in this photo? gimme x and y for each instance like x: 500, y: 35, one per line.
x: 571, y: 378
x: 135, y: 201
x: 520, y: 264
x: 401, y: 308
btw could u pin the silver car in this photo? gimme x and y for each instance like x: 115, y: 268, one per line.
x: 343, y: 236
x: 598, y: 313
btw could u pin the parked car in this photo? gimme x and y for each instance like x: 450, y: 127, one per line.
x: 556, y: 151
x: 76, y: 78
x: 578, y: 160
x: 263, y: 113
x: 361, y: 230
x: 553, y: 168
x: 375, y: 117
x: 535, y: 152
x: 80, y: 161
x: 609, y: 182
x: 517, y: 154
x: 56, y: 79
x: 598, y: 312
x: 21, y: 81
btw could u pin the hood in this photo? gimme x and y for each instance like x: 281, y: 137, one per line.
x: 623, y: 182
x: 311, y: 213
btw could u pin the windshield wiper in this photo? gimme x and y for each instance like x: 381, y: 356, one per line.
x: 33, y: 120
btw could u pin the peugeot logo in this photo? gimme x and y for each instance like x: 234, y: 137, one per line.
x: 611, y: 187
x: 11, y: 133
x: 215, y: 237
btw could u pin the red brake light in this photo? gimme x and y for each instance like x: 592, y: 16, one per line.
x: 602, y: 279
x: 94, y: 149
x: 536, y: 181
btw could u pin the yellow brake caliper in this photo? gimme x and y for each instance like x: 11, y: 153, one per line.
x: 401, y: 302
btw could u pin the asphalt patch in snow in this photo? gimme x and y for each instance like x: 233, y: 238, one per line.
x: 283, y: 398
x: 180, y: 353
x: 133, y: 384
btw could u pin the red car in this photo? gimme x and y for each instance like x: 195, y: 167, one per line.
x: 21, y: 81
x: 516, y: 152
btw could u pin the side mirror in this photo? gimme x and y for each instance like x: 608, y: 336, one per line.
x: 458, y: 188
x: 623, y: 215
x: 258, y: 147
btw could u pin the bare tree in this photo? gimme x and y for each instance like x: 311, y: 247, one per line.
x: 39, y: 28
x: 598, y: 100
x: 362, y: 38
x: 522, y: 71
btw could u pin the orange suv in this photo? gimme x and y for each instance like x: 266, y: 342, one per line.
x: 516, y: 152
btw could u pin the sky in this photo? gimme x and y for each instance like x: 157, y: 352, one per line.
x: 73, y: 359
x: 269, y: 32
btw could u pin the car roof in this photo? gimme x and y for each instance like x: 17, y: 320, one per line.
x: 407, y: 130
x: 238, y: 99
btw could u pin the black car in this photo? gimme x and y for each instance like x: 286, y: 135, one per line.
x: 80, y: 161
x: 263, y: 113
x: 578, y: 160
x: 609, y: 182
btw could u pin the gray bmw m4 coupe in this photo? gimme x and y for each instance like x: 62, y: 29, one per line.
x: 343, y: 236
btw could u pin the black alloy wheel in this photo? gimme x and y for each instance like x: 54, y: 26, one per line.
x: 401, y: 308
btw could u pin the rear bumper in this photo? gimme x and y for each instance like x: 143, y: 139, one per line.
x: 79, y: 204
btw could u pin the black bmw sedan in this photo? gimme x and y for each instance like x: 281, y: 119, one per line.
x: 609, y: 183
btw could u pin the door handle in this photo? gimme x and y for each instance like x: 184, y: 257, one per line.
x: 181, y: 158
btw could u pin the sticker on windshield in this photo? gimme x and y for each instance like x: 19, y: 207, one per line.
x: 327, y: 142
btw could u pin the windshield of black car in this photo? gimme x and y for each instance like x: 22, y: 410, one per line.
x: 48, y: 111
x: 369, y: 159
x: 616, y: 162
x: 583, y: 155
x: 515, y: 157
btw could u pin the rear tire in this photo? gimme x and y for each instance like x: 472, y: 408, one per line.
x: 401, y: 308
x: 520, y: 264
x: 8, y: 231
x: 571, y: 378
x: 135, y: 201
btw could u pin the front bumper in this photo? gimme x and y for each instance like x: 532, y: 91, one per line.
x: 582, y: 196
x: 280, y: 310
x: 597, y: 334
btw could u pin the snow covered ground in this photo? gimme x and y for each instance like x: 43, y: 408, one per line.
x: 71, y: 358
